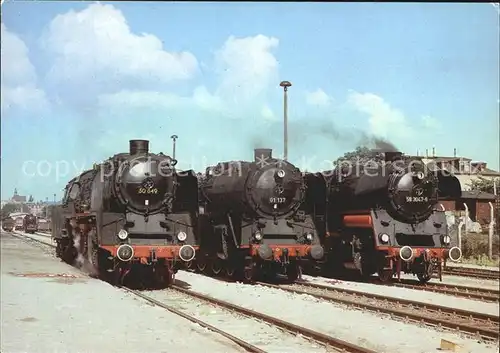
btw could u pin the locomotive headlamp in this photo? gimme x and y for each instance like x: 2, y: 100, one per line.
x: 309, y: 236
x: 258, y: 236
x: 182, y: 236
x: 420, y: 175
x: 384, y: 238
x: 446, y: 240
x: 122, y: 234
x: 280, y: 173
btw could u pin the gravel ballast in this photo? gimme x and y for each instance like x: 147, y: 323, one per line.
x: 53, y: 313
x: 410, y: 294
x: 373, y: 331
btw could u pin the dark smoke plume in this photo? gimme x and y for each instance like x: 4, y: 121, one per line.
x: 300, y: 130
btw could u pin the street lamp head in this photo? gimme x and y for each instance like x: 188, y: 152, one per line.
x: 285, y: 84
x: 173, y: 137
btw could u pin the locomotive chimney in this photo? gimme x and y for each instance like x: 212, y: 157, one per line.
x: 261, y: 155
x: 433, y: 151
x: 454, y: 152
x: 392, y: 156
x: 427, y: 152
x: 138, y: 147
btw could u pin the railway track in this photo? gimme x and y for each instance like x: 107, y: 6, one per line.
x: 476, y: 293
x: 263, y: 327
x: 478, y: 325
x: 472, y: 272
x: 180, y: 299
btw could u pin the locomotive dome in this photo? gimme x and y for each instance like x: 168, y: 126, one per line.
x: 145, y: 179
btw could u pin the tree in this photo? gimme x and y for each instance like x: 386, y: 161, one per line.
x: 483, y: 184
x: 7, y: 209
x: 360, y: 155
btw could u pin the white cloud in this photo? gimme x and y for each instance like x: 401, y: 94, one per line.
x: 247, y: 66
x: 384, y: 120
x: 430, y: 123
x: 147, y: 99
x: 18, y: 80
x: 246, y: 69
x: 267, y: 113
x: 318, y: 98
x: 97, y: 42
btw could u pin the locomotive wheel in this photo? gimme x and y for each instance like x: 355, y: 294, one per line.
x: 385, y: 275
x: 248, y: 274
x: 292, y: 272
x: 216, y: 267
x: 423, y: 277
x: 230, y: 270
x: 201, y: 265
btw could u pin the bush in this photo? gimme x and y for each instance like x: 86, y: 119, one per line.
x: 475, y: 249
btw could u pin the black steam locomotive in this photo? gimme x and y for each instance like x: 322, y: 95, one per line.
x: 251, y: 219
x: 382, y: 217
x: 30, y: 224
x: 132, y: 214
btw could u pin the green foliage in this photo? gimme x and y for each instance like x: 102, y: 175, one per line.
x: 483, y: 184
x: 359, y: 155
x: 475, y: 247
x: 9, y: 208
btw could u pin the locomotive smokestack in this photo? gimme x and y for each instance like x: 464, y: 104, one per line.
x: 454, y: 152
x: 433, y: 151
x: 262, y: 154
x: 392, y: 156
x: 138, y: 147
x: 427, y: 152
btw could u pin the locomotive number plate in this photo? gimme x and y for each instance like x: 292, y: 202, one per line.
x: 416, y: 199
x: 276, y: 200
x: 147, y: 191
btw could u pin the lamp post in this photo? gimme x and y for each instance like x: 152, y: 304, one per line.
x: 174, y: 138
x: 285, y: 85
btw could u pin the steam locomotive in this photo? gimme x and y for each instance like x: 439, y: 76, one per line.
x: 382, y: 217
x: 131, y: 216
x: 8, y: 224
x: 251, y: 219
x: 30, y: 224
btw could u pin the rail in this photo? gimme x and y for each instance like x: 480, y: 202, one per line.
x: 472, y: 272
x: 477, y: 324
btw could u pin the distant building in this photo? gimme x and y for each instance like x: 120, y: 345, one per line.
x: 18, y: 198
x: 465, y: 169
x: 477, y: 202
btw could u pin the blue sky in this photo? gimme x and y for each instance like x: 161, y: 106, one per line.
x: 80, y: 79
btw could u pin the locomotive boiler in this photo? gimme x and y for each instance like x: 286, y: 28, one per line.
x: 30, y: 224
x: 131, y: 216
x: 252, y: 219
x: 383, y: 217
